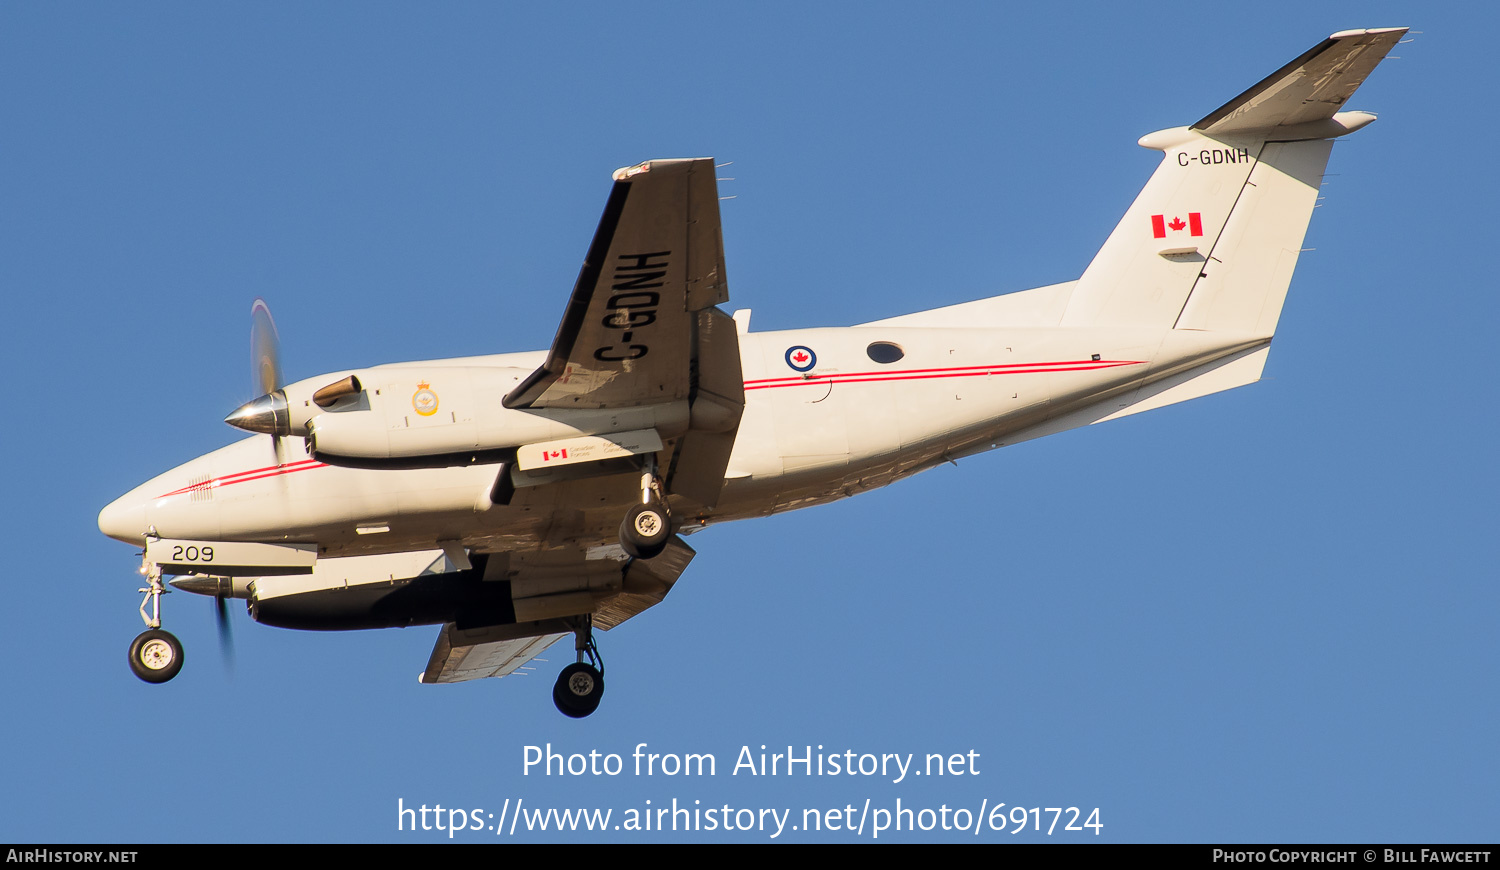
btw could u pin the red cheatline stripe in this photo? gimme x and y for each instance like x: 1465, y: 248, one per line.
x: 923, y: 374
x: 956, y: 371
x: 1031, y: 366
x: 292, y: 466
x: 243, y: 476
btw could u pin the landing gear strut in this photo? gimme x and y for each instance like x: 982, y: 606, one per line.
x: 580, y: 686
x: 155, y: 655
x: 648, y: 525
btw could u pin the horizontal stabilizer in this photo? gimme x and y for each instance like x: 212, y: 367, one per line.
x: 1233, y: 371
x: 1311, y: 88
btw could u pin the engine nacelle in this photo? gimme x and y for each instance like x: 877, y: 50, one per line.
x: 418, y: 416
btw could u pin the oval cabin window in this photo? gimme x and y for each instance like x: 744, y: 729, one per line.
x: 885, y: 352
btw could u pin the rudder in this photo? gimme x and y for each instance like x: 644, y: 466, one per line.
x: 1244, y: 283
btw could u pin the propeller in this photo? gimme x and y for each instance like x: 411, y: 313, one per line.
x: 268, y: 413
x: 226, y: 635
x: 265, y: 349
x: 221, y: 589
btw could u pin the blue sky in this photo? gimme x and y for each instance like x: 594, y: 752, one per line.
x: 1265, y: 615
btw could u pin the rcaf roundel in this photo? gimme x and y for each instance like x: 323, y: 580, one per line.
x: 801, y: 359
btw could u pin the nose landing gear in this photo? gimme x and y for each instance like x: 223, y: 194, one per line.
x: 155, y: 655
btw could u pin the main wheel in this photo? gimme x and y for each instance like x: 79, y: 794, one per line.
x: 578, y: 690
x: 645, y: 530
x: 155, y: 656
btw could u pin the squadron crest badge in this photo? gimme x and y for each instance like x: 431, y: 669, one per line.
x: 424, y: 401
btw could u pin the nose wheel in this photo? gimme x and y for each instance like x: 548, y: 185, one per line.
x: 156, y: 656
x: 580, y: 686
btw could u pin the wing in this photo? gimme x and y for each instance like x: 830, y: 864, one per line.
x: 627, y: 337
x: 548, y: 592
x: 1311, y: 88
x: 641, y: 327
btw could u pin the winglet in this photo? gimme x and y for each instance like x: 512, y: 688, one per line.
x: 1310, y: 89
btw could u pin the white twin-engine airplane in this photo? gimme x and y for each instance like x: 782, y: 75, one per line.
x: 521, y: 498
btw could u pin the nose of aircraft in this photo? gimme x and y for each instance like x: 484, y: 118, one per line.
x: 124, y: 519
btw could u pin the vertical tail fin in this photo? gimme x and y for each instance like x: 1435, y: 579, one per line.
x: 1148, y: 266
x: 1212, y: 239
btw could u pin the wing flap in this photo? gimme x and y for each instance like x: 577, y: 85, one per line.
x: 647, y: 582
x: 457, y: 658
x: 549, y: 592
x: 698, y: 465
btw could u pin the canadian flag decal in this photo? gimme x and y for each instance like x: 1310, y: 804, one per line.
x: 1160, y: 225
x: 554, y: 454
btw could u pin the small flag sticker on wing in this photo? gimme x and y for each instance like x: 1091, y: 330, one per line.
x: 1160, y: 225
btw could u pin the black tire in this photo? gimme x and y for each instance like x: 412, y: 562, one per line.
x: 645, y: 531
x: 155, y: 656
x: 578, y: 690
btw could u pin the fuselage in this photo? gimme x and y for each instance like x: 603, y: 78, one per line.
x: 828, y: 413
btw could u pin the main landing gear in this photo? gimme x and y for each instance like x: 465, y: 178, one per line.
x: 155, y: 655
x: 580, y: 686
x: 648, y: 525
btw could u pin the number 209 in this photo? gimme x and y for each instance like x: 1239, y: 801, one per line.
x: 192, y: 554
